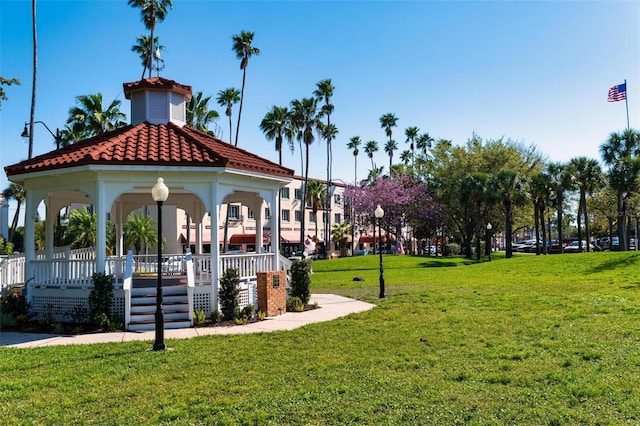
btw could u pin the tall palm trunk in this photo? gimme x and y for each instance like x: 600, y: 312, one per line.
x: 244, y: 76
x: 586, y: 221
x: 508, y: 229
x: 579, y: 224
x: 355, y: 170
x: 35, y: 77
x: 541, y: 208
x: 304, y: 198
x: 559, y: 218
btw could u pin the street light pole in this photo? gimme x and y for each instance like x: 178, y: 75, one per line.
x: 159, y: 192
x: 25, y: 132
x: 379, y: 213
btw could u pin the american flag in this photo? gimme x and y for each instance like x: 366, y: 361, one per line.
x: 618, y: 93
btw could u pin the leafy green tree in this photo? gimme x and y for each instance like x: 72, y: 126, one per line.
x: 227, y: 98
x: 353, y: 145
x: 406, y: 157
x: 140, y: 231
x: 242, y: 46
x: 151, y: 13
x: 199, y: 116
x: 144, y: 49
x: 6, y: 82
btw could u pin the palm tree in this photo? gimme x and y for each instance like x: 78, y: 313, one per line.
x: 620, y: 153
x: 508, y: 187
x: 371, y: 147
x: 315, y: 195
x: 340, y: 233
x: 424, y: 142
x: 587, y: 176
x: 387, y: 121
x: 17, y: 193
x: 32, y: 113
x: 305, y: 121
x: 411, y: 133
x: 151, y: 12
x: 275, y: 127
x: 140, y: 231
x: 374, y: 174
x: 199, y: 116
x: 323, y: 93
x: 69, y: 135
x: 227, y: 98
x: 540, y: 187
x: 81, y: 232
x: 559, y: 180
x: 244, y: 50
x: 91, y: 119
x: 405, y: 157
x: 144, y: 49
x: 389, y: 148
x: 353, y: 144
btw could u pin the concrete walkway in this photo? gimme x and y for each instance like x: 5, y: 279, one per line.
x: 332, y: 307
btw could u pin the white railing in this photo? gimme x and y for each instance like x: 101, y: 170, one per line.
x: 64, y: 273
x: 248, y: 265
x: 11, y: 272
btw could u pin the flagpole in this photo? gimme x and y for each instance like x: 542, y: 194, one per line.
x: 626, y: 101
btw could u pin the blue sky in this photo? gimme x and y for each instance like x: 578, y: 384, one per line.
x: 535, y: 72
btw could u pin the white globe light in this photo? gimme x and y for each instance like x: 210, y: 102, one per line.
x: 160, y: 192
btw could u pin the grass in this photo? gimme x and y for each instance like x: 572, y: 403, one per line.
x: 540, y: 340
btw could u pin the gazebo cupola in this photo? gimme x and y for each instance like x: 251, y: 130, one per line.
x: 158, y: 100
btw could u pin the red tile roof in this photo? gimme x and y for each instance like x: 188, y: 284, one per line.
x: 156, y: 83
x: 151, y: 144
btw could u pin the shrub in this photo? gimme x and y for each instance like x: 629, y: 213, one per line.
x: 15, y: 305
x: 215, y: 316
x: 295, y: 304
x: 301, y: 280
x: 78, y: 314
x: 452, y: 249
x: 229, y: 283
x: 100, y: 297
x: 248, y: 311
x: 198, y: 317
x: 262, y: 315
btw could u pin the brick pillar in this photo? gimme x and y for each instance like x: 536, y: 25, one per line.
x: 272, y: 292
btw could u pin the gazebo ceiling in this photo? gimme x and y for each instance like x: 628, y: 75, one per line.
x: 148, y: 144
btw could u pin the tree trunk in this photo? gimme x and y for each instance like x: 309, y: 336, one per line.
x: 244, y: 75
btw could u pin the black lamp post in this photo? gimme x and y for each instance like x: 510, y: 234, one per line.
x: 489, y: 239
x: 25, y: 132
x: 379, y: 213
x: 159, y: 192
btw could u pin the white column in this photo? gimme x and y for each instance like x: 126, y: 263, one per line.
x: 275, y: 237
x: 101, y: 227
x: 30, y: 211
x: 119, y: 229
x: 4, y: 218
x: 214, y: 210
x: 49, y: 225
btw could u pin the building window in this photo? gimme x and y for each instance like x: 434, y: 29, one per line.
x: 284, y: 193
x: 337, y: 198
x: 250, y: 214
x: 312, y: 217
x: 298, y: 194
x: 234, y: 211
x: 336, y: 218
x: 298, y: 214
x: 267, y: 213
x: 285, y: 215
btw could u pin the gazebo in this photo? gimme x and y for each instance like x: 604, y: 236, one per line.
x: 114, y: 173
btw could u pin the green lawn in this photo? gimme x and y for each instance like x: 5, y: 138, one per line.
x: 540, y: 340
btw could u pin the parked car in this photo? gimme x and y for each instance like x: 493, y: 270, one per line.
x: 362, y: 252
x: 574, y: 247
